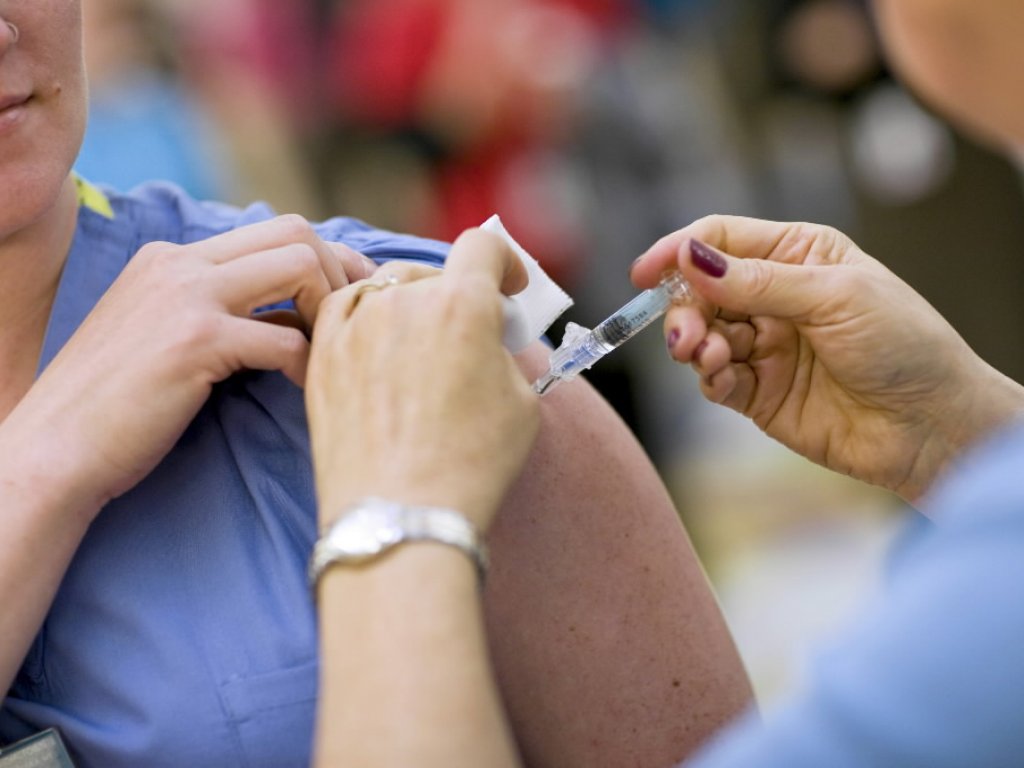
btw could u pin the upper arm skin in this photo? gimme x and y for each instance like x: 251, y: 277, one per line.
x: 609, y: 646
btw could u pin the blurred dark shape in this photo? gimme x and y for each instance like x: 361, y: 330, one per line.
x: 899, y: 152
x: 828, y: 45
x: 269, y: 44
x: 481, y: 99
x: 593, y: 127
x: 253, y: 65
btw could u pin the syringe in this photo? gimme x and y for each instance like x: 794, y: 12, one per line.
x: 581, y: 348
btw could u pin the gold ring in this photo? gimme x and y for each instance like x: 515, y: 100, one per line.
x: 373, y: 285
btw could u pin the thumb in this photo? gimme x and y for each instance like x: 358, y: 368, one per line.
x: 487, y: 255
x: 752, y: 286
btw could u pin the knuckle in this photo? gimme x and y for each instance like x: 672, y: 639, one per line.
x: 812, y: 243
x: 713, y: 222
x: 831, y: 236
x: 390, y: 302
x: 353, y: 263
x: 852, y: 281
x: 166, y: 266
x: 196, y: 330
x: 410, y: 271
x: 796, y: 242
x: 293, y: 226
x: 334, y: 305
x: 304, y: 258
x: 759, y: 276
x: 291, y: 341
x: 156, y: 252
x: 471, y: 236
x: 483, y: 239
x: 817, y: 239
x: 472, y: 298
x: 713, y: 229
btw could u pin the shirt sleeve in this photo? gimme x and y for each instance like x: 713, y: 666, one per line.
x: 382, y: 245
x: 932, y: 674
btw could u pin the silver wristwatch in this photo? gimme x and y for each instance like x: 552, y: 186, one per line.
x: 372, y: 527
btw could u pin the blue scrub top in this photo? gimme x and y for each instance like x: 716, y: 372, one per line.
x: 931, y: 674
x: 184, y: 632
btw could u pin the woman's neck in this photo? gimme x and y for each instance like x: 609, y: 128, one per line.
x: 31, y: 261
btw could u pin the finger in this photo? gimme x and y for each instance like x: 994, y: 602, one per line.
x: 742, y: 237
x: 344, y: 265
x: 740, y: 338
x: 697, y: 311
x: 717, y: 388
x: 266, y: 277
x: 337, y: 308
x: 340, y: 263
x: 712, y: 355
x: 267, y: 347
x: 403, y: 272
x: 484, y: 254
x: 261, y: 236
x: 334, y: 310
x: 754, y: 286
x: 686, y: 327
x: 394, y: 275
x: 341, y: 304
x: 732, y: 387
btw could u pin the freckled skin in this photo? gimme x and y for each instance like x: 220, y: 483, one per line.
x: 621, y: 630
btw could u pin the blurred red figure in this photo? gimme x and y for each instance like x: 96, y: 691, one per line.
x: 489, y: 84
x: 269, y: 42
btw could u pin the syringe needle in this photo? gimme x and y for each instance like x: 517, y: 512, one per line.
x: 545, y: 383
x: 581, y: 348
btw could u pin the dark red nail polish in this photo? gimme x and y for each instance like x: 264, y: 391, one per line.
x: 673, y: 339
x: 699, y: 351
x: 706, y: 260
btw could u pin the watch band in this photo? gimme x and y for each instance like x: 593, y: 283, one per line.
x: 371, y: 527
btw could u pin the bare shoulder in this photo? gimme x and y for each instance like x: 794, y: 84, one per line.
x: 609, y: 645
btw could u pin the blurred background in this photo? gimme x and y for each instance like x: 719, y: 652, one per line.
x: 594, y: 127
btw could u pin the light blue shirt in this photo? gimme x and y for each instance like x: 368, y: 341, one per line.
x: 932, y: 674
x: 183, y: 633
x: 146, y: 126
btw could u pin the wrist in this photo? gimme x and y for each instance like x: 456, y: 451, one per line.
x: 338, y: 492
x: 37, y: 473
x: 987, y: 401
x: 420, y: 569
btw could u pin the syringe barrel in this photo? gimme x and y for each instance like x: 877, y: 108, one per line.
x: 581, y: 348
x: 577, y: 354
x: 642, y: 311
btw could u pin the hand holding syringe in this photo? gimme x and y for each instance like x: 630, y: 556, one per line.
x: 581, y: 348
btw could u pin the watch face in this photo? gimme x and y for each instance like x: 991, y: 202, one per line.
x: 368, y: 532
x: 374, y: 526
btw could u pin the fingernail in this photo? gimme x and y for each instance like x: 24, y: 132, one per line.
x: 633, y: 265
x: 699, y: 351
x: 706, y: 260
x: 673, y: 339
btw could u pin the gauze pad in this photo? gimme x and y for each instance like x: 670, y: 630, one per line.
x: 530, y: 312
